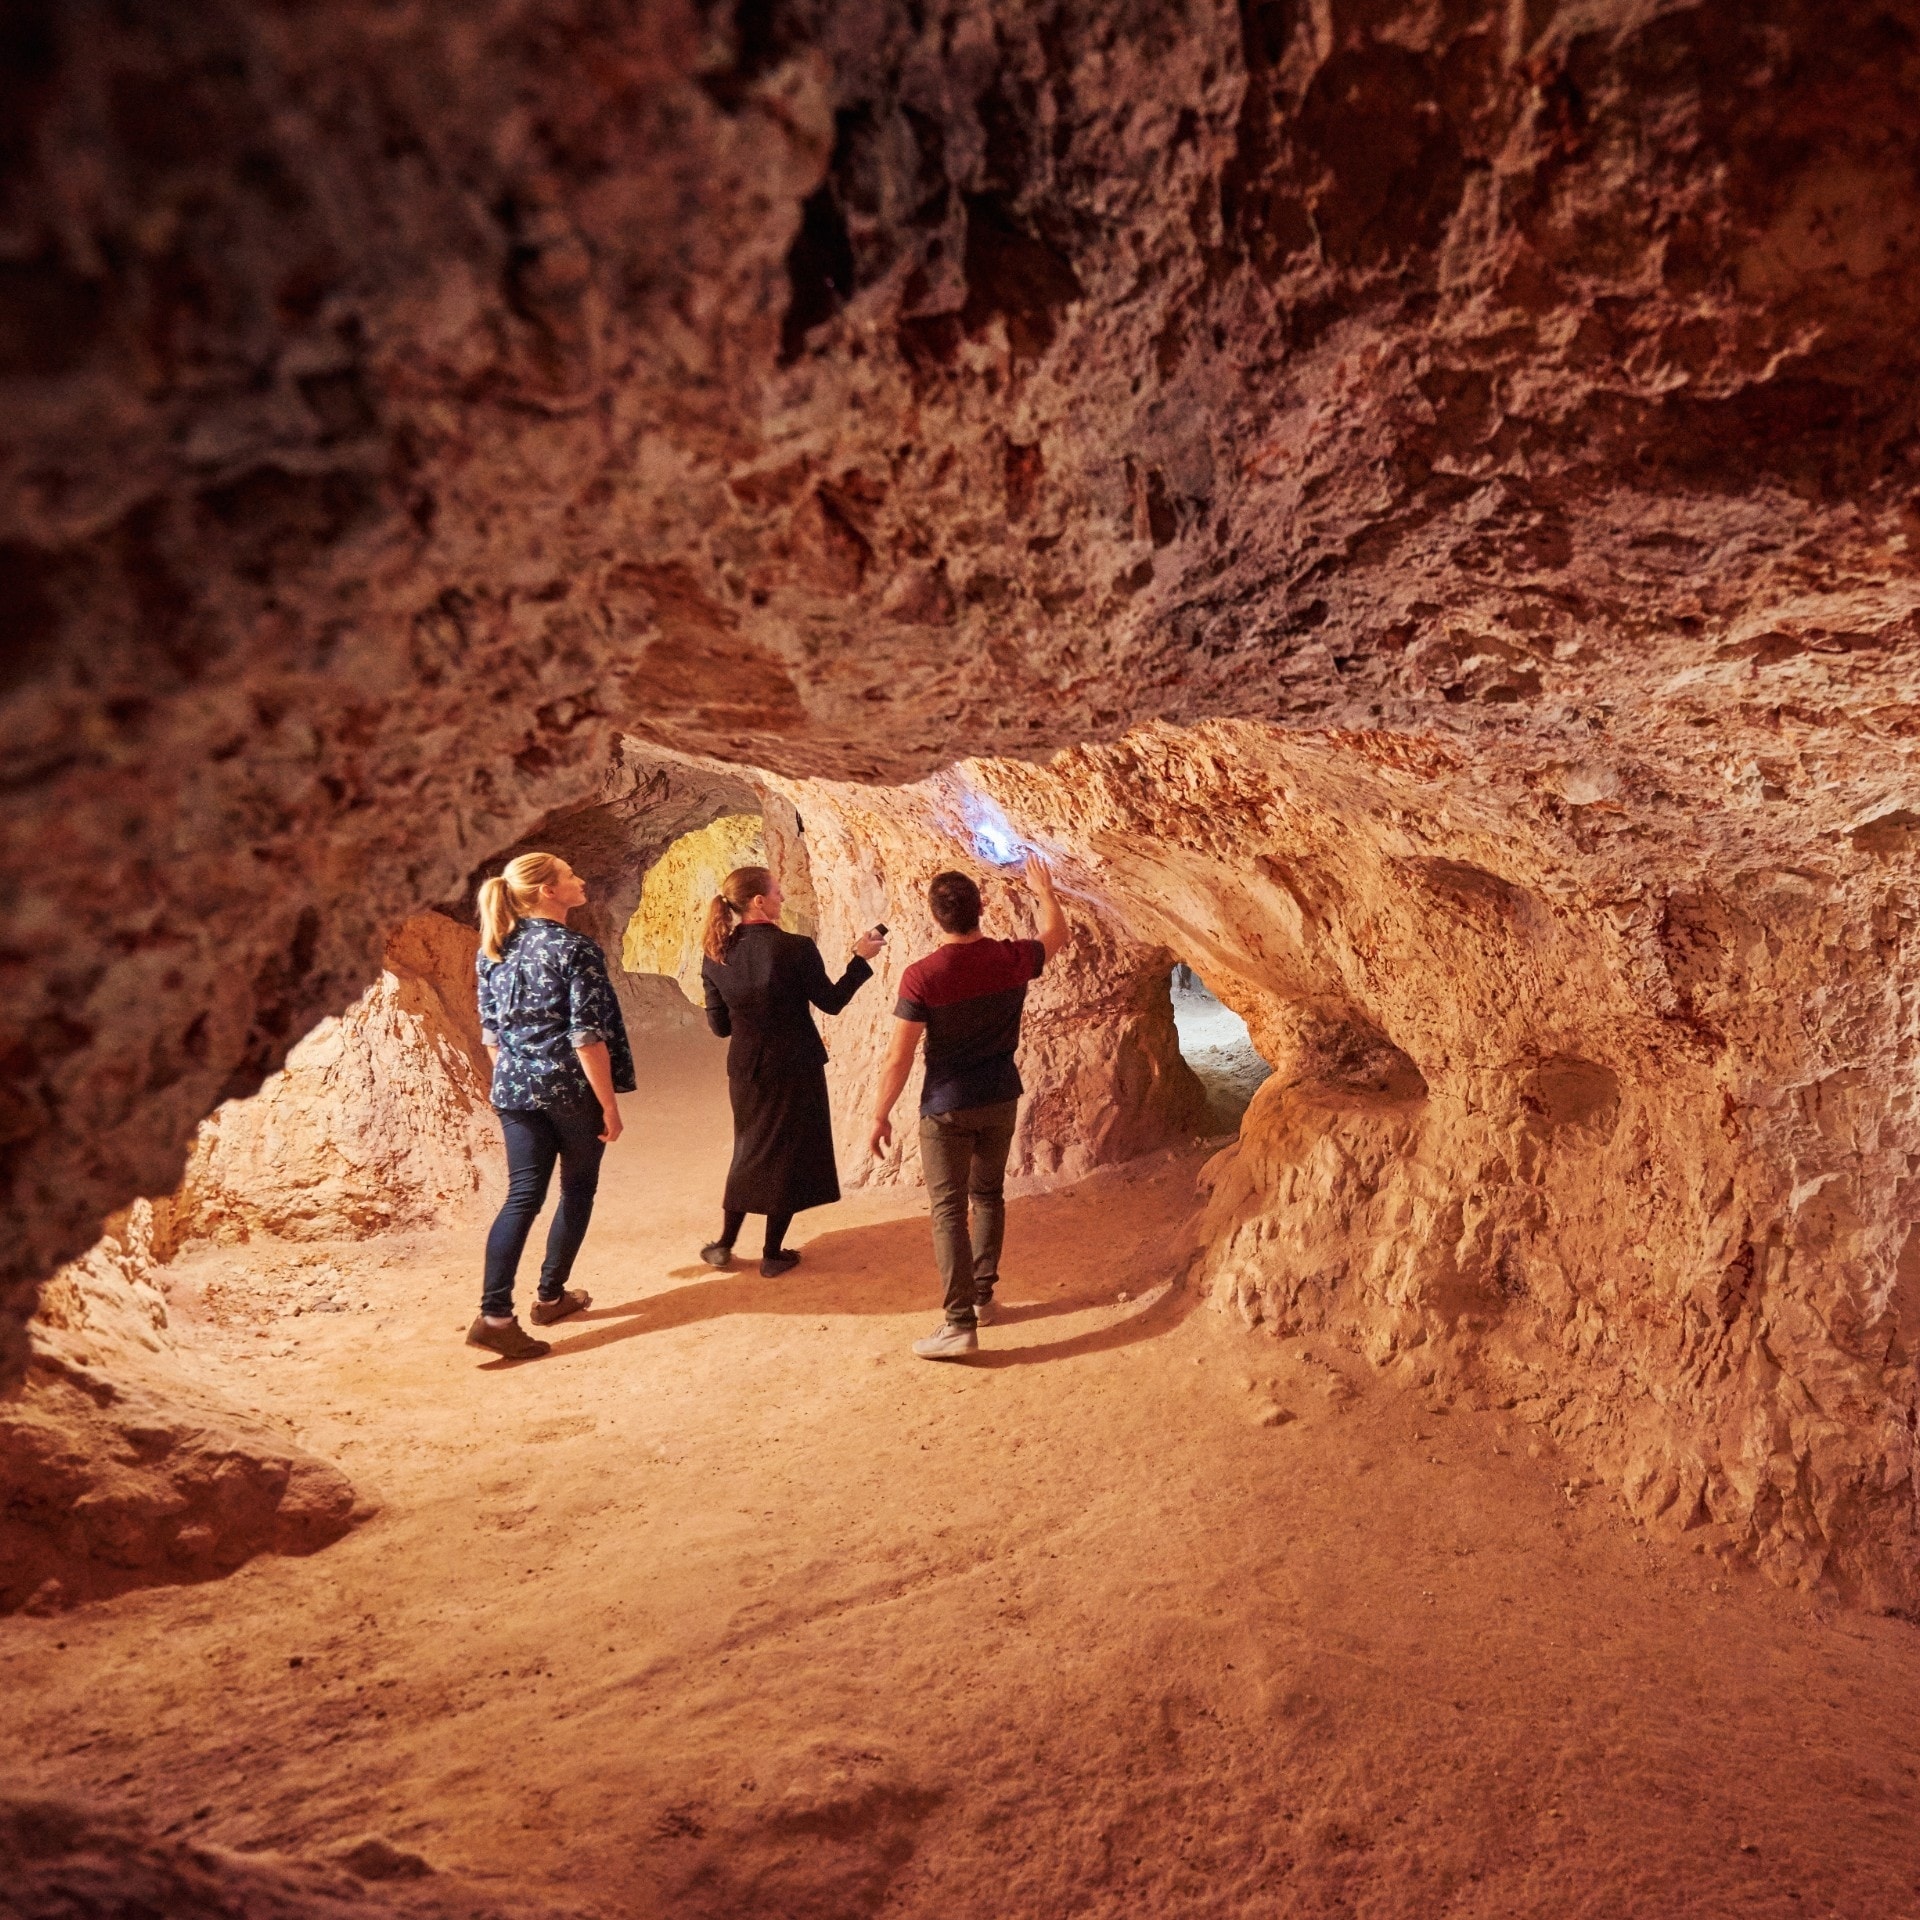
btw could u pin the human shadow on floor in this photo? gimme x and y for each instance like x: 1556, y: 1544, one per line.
x: 887, y: 1269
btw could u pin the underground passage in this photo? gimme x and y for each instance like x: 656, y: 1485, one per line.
x: 960, y: 961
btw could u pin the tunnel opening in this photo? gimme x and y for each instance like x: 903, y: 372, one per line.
x: 376, y: 1141
x: 1216, y: 1044
x: 1450, y: 471
x: 662, y: 937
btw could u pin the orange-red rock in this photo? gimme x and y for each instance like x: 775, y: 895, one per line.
x: 1500, y: 417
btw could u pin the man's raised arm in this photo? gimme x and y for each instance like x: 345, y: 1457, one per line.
x: 1052, y: 931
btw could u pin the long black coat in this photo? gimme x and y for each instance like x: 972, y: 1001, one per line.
x: 776, y: 1067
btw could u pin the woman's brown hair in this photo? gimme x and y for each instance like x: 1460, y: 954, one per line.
x: 738, y: 891
x: 506, y: 900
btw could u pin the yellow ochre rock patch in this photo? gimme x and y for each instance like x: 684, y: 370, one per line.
x: 664, y: 934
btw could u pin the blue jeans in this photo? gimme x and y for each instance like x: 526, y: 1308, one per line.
x: 536, y: 1138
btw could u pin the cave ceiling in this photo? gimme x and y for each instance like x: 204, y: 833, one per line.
x: 404, y: 404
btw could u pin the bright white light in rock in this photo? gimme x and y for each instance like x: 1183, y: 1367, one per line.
x: 994, y: 840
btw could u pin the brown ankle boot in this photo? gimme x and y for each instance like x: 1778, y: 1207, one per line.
x: 511, y: 1342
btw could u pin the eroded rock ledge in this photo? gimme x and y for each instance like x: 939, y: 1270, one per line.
x: 120, y: 1469
x: 398, y: 404
x: 405, y: 410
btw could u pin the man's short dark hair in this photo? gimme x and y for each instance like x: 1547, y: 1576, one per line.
x: 955, y: 901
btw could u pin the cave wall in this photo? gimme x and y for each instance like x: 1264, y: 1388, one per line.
x: 1584, y: 1139
x: 1099, y: 1054
x: 667, y: 931
x: 400, y: 403
x: 118, y: 1467
x: 378, y: 1120
x: 405, y: 408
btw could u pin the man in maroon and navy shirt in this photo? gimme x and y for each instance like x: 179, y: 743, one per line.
x: 966, y: 997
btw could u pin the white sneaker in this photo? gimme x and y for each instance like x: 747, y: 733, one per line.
x: 986, y: 1312
x: 950, y: 1343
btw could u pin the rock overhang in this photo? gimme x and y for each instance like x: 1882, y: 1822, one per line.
x: 1521, y: 404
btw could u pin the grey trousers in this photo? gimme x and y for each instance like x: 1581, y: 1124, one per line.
x: 964, y: 1155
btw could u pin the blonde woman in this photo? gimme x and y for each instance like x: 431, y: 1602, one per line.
x: 560, y: 1054
x: 759, y: 984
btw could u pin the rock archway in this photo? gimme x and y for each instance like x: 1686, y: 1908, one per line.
x: 1536, y: 1117
x: 378, y: 1120
x: 1440, y: 480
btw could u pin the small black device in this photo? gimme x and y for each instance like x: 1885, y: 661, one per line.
x: 880, y: 927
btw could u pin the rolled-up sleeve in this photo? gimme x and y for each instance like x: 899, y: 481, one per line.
x: 591, y: 1009
x: 489, y: 1028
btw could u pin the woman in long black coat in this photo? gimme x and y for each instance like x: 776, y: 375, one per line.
x: 760, y: 983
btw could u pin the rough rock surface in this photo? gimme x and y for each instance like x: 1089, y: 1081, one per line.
x: 1547, y: 1115
x: 379, y: 1119
x: 410, y: 411
x: 58, y: 1859
x: 1099, y: 1056
x: 120, y: 1469
x: 668, y: 925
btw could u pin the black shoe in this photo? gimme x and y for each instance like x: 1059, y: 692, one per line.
x: 717, y: 1253
x: 773, y: 1265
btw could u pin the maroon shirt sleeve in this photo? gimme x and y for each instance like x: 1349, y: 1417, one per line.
x: 910, y: 1006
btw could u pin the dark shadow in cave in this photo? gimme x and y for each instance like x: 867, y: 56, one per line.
x: 1215, y: 1043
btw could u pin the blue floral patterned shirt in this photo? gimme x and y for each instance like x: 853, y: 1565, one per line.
x: 547, y: 994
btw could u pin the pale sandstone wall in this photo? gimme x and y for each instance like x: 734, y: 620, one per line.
x: 1626, y: 1148
x: 1099, y: 1056
x: 664, y: 936
x: 379, y: 1119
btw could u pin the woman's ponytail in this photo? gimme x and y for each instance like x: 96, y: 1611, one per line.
x: 738, y: 891
x: 506, y: 899
x: 713, y: 942
x: 496, y: 917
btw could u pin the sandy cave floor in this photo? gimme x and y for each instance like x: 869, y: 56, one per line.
x: 733, y: 1607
